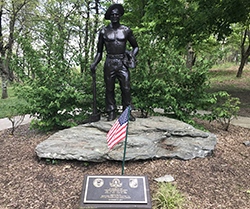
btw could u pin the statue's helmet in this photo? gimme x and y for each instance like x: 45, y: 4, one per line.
x: 111, y: 7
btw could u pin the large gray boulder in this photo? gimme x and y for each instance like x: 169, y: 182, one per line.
x: 154, y: 137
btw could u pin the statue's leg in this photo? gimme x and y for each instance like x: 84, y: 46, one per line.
x: 109, y: 78
x: 124, y: 79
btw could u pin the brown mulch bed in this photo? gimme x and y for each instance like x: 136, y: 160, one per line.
x: 218, y: 181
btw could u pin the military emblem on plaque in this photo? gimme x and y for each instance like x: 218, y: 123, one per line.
x: 98, y: 182
x: 115, y: 183
x: 133, y: 183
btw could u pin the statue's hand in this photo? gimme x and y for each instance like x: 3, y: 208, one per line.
x: 93, y: 68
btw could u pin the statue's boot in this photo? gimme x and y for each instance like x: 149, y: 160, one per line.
x: 112, y: 116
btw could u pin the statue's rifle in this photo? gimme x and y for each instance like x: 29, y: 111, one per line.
x: 95, y: 116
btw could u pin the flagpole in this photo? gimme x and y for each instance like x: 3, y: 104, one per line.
x: 125, y: 145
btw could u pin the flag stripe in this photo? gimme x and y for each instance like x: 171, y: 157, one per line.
x: 116, y: 141
x: 113, y: 131
x: 113, y: 128
x: 118, y: 137
x: 118, y: 130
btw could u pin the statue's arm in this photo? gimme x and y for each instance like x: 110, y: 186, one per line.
x: 133, y: 42
x: 98, y: 56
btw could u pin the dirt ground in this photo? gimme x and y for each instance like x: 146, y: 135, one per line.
x: 221, y: 180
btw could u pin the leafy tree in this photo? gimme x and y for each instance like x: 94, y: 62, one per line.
x: 12, y: 13
x: 196, y: 20
x: 57, y: 95
x: 169, y: 18
x: 85, y: 28
x: 135, y: 12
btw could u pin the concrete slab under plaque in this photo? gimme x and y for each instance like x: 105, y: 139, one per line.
x: 120, y: 192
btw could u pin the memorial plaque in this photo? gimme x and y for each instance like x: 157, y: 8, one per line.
x: 115, y: 192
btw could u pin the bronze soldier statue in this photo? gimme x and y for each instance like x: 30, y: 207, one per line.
x: 114, y: 37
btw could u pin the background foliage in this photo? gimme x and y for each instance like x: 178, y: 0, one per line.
x: 48, y: 46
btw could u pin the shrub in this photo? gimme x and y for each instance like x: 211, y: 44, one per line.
x: 15, y: 116
x: 58, y: 96
x: 224, y: 110
x: 162, y: 80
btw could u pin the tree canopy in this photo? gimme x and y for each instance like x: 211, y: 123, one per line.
x: 50, y: 50
x: 195, y: 20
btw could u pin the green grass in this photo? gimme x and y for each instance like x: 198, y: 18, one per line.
x: 224, y: 65
x: 224, y: 76
x: 5, y: 104
x: 169, y: 197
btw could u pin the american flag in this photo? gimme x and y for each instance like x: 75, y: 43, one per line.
x: 118, y: 130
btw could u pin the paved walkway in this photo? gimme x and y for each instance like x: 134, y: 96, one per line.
x: 240, y: 121
x: 5, y: 122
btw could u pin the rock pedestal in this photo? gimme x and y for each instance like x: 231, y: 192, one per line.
x: 154, y: 137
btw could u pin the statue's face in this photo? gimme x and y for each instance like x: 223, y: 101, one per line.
x: 115, y: 16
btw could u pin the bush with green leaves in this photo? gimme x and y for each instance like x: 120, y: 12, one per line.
x: 224, y: 110
x: 57, y: 95
x: 162, y: 80
x: 168, y: 196
x: 16, y: 115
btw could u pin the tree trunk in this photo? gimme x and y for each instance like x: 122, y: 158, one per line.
x: 86, y: 45
x: 190, y: 56
x: 95, y: 29
x: 244, y: 53
x: 4, y: 77
x: 242, y: 64
x: 4, y: 86
x: 81, y: 52
x: 190, y: 51
x: 3, y: 72
x: 10, y: 46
